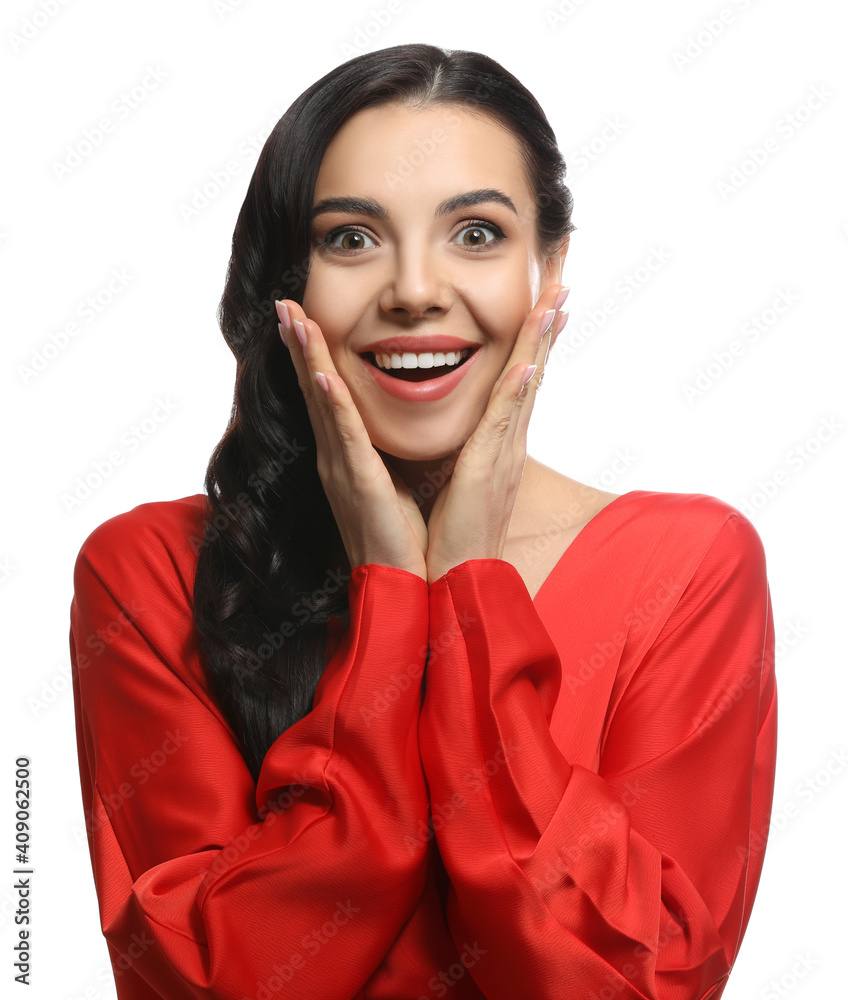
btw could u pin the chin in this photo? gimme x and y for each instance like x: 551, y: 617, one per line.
x: 425, y: 449
x: 422, y: 454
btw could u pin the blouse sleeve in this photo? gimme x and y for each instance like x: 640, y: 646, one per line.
x: 213, y: 886
x: 636, y: 881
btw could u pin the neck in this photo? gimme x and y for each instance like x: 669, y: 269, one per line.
x: 426, y: 478
x: 423, y: 478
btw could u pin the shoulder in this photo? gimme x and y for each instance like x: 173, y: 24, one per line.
x: 648, y: 526
x: 155, y: 539
x: 691, y: 510
x: 644, y: 533
x: 701, y: 552
x: 676, y: 552
x: 679, y: 515
x: 134, y: 643
x: 690, y: 522
x: 699, y: 578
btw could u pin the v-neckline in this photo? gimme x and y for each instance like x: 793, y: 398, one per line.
x: 595, y: 520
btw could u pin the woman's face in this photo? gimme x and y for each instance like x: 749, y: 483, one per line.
x: 405, y: 263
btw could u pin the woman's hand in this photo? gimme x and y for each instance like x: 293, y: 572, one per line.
x: 377, y: 516
x: 471, y: 514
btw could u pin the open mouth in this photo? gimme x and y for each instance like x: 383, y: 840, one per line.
x: 443, y: 364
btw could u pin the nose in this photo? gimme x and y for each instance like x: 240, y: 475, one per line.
x: 417, y: 286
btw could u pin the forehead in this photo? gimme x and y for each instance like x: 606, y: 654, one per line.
x: 392, y: 152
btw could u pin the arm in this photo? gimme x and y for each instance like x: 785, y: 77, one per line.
x: 200, y: 896
x: 634, y: 882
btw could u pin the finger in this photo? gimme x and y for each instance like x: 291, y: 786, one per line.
x: 290, y: 311
x: 346, y: 438
x: 516, y: 440
x: 409, y: 506
x: 527, y: 392
x: 315, y: 371
x: 497, y: 427
x: 534, y: 329
x: 485, y: 446
x: 513, y: 397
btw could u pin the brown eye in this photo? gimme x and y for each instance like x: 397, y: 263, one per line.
x: 348, y: 240
x: 352, y: 241
x: 477, y: 235
x: 474, y: 237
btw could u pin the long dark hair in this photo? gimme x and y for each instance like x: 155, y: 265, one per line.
x: 272, y: 568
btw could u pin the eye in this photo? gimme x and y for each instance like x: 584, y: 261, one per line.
x: 473, y: 235
x: 347, y: 240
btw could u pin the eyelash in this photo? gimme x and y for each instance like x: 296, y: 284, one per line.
x: 327, y: 244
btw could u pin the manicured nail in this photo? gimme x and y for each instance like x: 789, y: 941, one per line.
x: 322, y: 381
x: 563, y: 295
x: 283, y: 313
x: 560, y: 325
x: 528, y: 374
x: 546, y: 321
x: 282, y: 334
x: 300, y: 330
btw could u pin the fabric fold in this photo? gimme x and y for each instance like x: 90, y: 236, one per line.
x: 633, y: 880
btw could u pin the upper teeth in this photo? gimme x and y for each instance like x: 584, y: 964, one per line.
x: 432, y: 360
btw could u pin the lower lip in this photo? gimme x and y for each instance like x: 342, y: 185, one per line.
x: 421, y: 392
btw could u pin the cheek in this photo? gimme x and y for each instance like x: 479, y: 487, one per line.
x: 329, y: 302
x: 504, y: 298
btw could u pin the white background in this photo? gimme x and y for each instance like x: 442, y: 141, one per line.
x: 689, y: 104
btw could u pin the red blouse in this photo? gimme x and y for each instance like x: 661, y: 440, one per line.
x: 492, y: 796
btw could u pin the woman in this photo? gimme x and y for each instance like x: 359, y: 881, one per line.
x: 395, y: 710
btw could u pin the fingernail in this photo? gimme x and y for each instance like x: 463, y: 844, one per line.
x: 282, y: 334
x: 322, y: 381
x: 546, y: 321
x: 283, y: 313
x: 300, y: 330
x: 560, y: 326
x: 528, y: 375
x: 563, y: 295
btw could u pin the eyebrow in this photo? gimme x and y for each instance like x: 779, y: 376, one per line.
x: 366, y: 206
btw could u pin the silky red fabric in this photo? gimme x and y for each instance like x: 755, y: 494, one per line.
x: 493, y: 796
